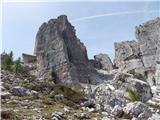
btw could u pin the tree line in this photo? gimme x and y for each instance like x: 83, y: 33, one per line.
x: 8, y: 63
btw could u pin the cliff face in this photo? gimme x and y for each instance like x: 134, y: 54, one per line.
x: 59, y: 50
x: 148, y: 36
x: 142, y: 56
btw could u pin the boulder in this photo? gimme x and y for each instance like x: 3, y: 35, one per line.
x: 106, y: 96
x: 137, y: 110
x: 104, y: 61
x: 20, y: 91
x: 126, y: 82
x: 57, y: 116
x: 59, y: 97
x: 117, y: 111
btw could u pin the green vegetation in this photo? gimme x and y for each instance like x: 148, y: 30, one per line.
x: 7, y: 63
x: 68, y: 93
x: 17, y: 68
x: 133, y: 95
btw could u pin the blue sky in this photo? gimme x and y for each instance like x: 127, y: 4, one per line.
x: 97, y: 31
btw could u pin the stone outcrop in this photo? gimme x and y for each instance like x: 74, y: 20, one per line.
x: 137, y: 110
x: 126, y: 82
x: 104, y: 61
x: 141, y: 57
x: 125, y: 51
x: 61, y: 55
x: 58, y: 50
x: 19, y: 91
x: 148, y: 36
x: 157, y: 74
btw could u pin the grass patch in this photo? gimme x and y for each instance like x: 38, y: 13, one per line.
x: 68, y: 93
x: 8, y: 105
x: 133, y: 95
x: 47, y: 112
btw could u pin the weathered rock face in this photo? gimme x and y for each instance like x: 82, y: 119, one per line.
x: 59, y: 50
x: 29, y: 58
x: 138, y: 110
x: 126, y: 51
x: 125, y: 82
x: 157, y: 74
x: 104, y: 61
x: 141, y: 57
x: 148, y: 36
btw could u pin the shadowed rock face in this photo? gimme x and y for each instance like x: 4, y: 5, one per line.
x: 59, y: 50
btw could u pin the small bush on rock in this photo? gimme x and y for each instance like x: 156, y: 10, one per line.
x: 133, y: 95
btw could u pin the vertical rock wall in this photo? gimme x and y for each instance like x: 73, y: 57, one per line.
x: 59, y: 50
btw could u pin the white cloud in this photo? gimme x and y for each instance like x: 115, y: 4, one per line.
x: 113, y: 14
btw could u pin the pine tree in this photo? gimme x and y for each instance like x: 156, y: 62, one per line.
x: 17, y: 66
x: 7, y: 61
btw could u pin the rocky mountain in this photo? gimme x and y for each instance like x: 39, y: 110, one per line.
x: 59, y: 81
x: 59, y: 50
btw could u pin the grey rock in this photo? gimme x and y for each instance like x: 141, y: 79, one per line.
x: 5, y: 95
x: 117, y: 111
x: 155, y: 117
x: 20, y: 91
x: 133, y: 66
x: 125, y: 81
x: 59, y: 50
x: 157, y: 74
x: 148, y: 36
x: 104, y: 62
x: 67, y: 109
x: 59, y: 97
x: 57, y: 116
x: 105, y: 95
x: 126, y: 51
x: 34, y: 94
x: 138, y: 110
